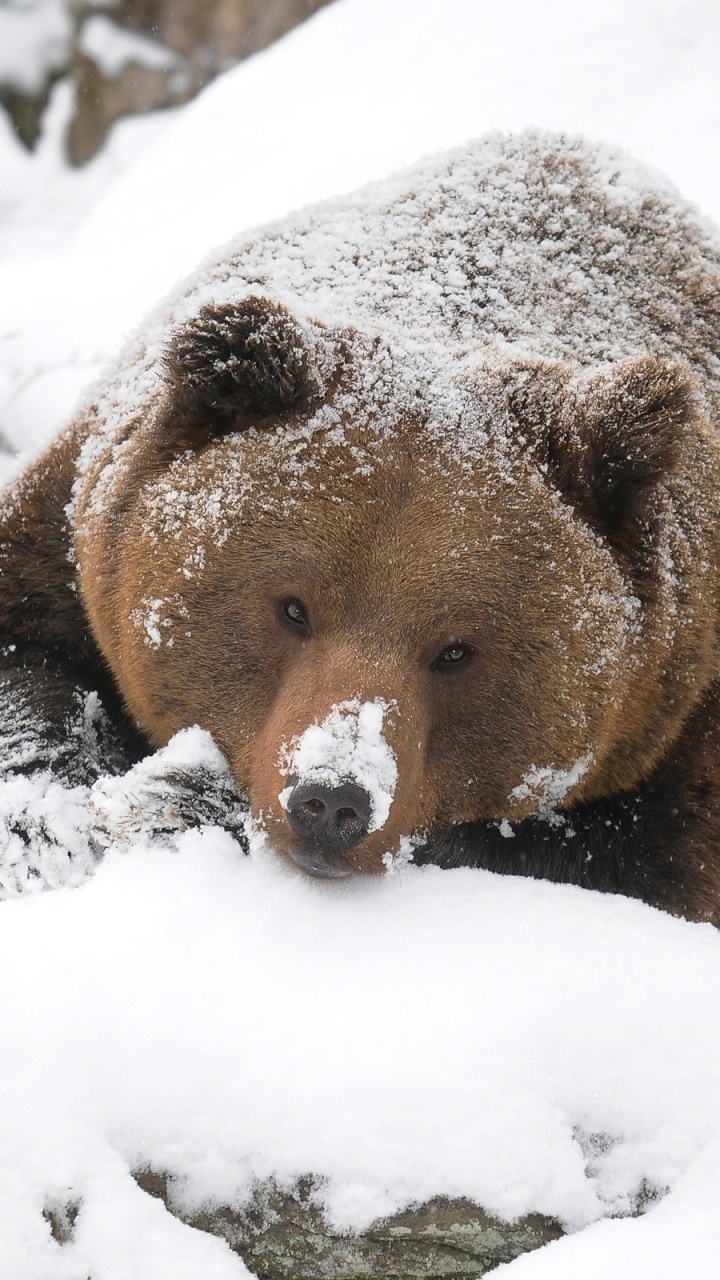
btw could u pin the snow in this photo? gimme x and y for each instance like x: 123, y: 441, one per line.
x: 347, y: 745
x: 113, y: 48
x: 532, y: 1046
x: 53, y: 850
x: 548, y: 787
x: 34, y: 42
x: 121, y: 809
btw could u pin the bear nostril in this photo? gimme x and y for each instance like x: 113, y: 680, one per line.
x: 330, y: 819
x: 351, y: 824
x: 313, y: 807
x: 305, y: 816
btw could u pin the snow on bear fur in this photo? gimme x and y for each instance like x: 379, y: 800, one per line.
x: 448, y: 448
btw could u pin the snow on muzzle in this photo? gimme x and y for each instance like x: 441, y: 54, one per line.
x: 342, y: 775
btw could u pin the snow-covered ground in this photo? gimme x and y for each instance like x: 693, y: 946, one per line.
x: 533, y: 1047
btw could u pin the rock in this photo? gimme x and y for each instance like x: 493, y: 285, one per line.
x: 283, y: 1235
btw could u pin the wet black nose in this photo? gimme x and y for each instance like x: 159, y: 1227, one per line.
x: 330, y: 820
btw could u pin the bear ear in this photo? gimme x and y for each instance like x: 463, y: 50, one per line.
x: 246, y: 360
x: 609, y: 441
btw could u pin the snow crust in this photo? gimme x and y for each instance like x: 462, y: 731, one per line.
x: 348, y: 746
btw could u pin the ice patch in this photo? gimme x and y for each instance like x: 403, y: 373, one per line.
x: 349, y: 744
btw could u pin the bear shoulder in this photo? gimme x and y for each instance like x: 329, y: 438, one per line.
x: 39, y: 602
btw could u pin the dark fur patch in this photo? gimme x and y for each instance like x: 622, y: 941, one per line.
x: 608, y: 445
x: 251, y: 359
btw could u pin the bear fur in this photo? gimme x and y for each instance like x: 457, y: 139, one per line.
x: 446, y: 449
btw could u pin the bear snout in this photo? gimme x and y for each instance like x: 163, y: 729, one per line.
x: 330, y: 821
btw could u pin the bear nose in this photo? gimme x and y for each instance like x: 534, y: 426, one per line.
x: 331, y: 821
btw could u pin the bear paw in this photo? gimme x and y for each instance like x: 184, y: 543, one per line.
x: 44, y: 836
x: 185, y: 784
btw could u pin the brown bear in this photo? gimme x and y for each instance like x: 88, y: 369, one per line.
x: 412, y: 501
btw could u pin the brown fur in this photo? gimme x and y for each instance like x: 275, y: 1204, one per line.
x: 559, y: 519
x: 392, y: 576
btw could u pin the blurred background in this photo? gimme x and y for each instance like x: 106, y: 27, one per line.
x: 123, y: 57
x: 136, y: 135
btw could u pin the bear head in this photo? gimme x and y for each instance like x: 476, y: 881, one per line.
x: 403, y: 591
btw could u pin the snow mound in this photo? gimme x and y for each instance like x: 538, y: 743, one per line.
x: 190, y: 1009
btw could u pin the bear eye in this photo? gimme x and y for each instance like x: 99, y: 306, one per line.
x: 297, y: 614
x: 453, y: 656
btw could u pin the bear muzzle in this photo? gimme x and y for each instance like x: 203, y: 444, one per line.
x: 330, y: 821
x: 335, y: 780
